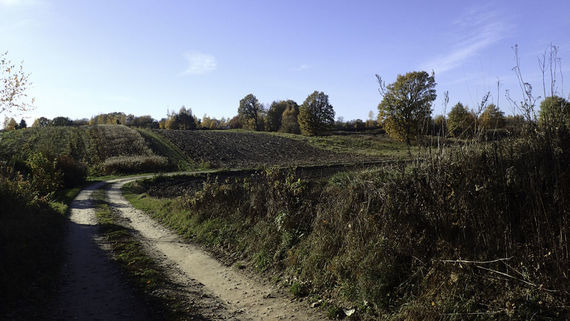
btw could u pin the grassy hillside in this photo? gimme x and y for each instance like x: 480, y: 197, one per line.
x: 72, y: 141
x: 377, y: 145
x: 102, y: 148
x: 108, y: 149
x: 250, y: 149
x: 163, y: 147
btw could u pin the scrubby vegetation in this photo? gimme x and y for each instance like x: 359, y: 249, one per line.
x: 31, y: 234
x: 479, y: 232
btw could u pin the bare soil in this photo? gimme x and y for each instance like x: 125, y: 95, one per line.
x: 249, y: 150
x: 243, y: 297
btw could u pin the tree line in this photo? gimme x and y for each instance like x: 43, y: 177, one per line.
x: 405, y: 112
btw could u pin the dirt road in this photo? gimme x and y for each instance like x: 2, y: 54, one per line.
x: 94, y: 287
x: 242, y: 296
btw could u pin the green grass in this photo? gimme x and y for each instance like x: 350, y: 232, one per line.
x: 164, y: 147
x: 376, y: 145
x: 64, y: 197
x: 143, y: 272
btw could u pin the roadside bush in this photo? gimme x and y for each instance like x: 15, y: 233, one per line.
x: 44, y: 175
x: 135, y: 164
x: 387, y: 233
x: 30, y: 248
x: 73, y: 172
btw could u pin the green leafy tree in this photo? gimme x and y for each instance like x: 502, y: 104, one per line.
x: 235, y: 123
x: 41, y: 122
x: 275, y: 113
x: 10, y: 124
x: 406, y: 105
x: 440, y: 125
x: 554, y: 112
x: 22, y: 124
x: 460, y: 121
x: 183, y: 120
x: 115, y: 118
x: 186, y: 120
x: 371, y: 121
x: 289, y: 120
x: 61, y: 121
x: 316, y: 115
x: 250, y: 111
x: 145, y: 121
x: 492, y: 117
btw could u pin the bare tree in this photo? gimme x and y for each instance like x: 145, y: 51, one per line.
x: 14, y: 84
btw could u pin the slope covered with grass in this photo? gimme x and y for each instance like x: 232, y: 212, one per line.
x: 103, y: 149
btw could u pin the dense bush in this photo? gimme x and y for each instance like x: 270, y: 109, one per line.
x: 135, y: 164
x: 74, y: 173
x: 30, y: 247
x: 44, y: 176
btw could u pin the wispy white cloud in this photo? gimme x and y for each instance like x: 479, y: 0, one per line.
x: 477, y: 29
x: 303, y: 67
x: 199, y: 63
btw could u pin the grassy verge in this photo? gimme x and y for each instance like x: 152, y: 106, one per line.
x: 143, y: 272
x: 63, y: 199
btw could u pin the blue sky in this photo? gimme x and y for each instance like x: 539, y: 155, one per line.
x: 144, y: 57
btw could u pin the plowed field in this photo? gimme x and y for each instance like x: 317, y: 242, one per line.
x: 248, y: 150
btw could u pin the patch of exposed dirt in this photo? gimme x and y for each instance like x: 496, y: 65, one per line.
x: 248, y: 150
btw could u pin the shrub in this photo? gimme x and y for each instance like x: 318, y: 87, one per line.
x: 74, y: 173
x: 45, y: 177
x: 135, y: 164
x: 31, y: 236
